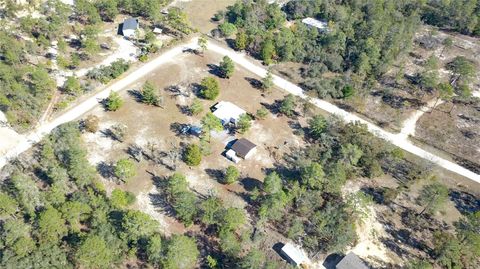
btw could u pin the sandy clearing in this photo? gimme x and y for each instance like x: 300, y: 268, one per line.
x: 409, y: 125
x: 396, y: 139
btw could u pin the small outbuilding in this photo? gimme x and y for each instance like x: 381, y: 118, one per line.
x: 294, y: 255
x: 351, y: 261
x: 129, y: 26
x: 320, y: 25
x: 227, y: 112
x: 243, y: 148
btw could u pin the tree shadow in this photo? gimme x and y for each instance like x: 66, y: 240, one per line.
x: 231, y: 43
x: 179, y: 129
x: 249, y: 183
x: 185, y: 110
x: 135, y: 152
x: 332, y: 260
x: 465, y: 202
x: 136, y: 94
x: 215, y: 70
x: 106, y: 170
x: 216, y: 174
x: 255, y: 83
x: 375, y: 193
x: 273, y: 108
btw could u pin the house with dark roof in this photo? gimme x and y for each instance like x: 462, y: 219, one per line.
x: 129, y: 26
x: 351, y: 261
x: 241, y: 149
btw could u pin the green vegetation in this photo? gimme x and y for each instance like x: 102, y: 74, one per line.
x: 72, y: 86
x: 122, y: 199
x: 150, y: 95
x: 63, y: 219
x: 193, y: 155
x: 231, y: 174
x: 196, y: 107
x: 124, y: 169
x: 105, y: 74
x: 227, y: 67
x: 288, y: 105
x: 114, y: 102
x: 244, y: 123
x: 210, y: 88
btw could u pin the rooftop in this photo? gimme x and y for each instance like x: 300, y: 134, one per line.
x: 351, y: 261
x: 130, y: 24
x: 316, y: 23
x: 227, y: 112
x: 295, y: 255
x: 242, y: 147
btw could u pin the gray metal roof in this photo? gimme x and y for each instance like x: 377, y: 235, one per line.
x: 130, y: 24
x: 351, y: 261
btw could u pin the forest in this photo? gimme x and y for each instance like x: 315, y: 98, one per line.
x: 363, y: 41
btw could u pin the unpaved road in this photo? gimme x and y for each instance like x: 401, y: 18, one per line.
x: 399, y: 140
x: 14, y: 148
x: 239, y: 58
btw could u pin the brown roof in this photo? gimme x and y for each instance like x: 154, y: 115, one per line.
x: 242, y: 147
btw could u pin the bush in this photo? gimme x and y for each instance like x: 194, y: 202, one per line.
x: 72, y: 86
x: 287, y: 106
x: 106, y: 73
x: 196, y: 107
x: 227, y: 67
x: 193, y: 155
x: 244, y: 123
x: 124, y: 169
x: 121, y: 198
x: 261, y: 113
x: 231, y: 174
x: 91, y: 124
x: 209, y: 88
x: 149, y: 96
x: 114, y: 101
x: 227, y: 29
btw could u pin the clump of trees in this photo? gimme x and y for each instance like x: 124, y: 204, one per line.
x: 105, y: 74
x: 363, y: 38
x: 56, y: 214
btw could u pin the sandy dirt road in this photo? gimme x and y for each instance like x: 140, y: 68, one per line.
x: 399, y: 140
x: 25, y: 142
x: 241, y: 59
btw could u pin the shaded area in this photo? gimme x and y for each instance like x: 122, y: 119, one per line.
x: 465, y: 202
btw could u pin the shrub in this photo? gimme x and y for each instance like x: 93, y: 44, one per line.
x: 91, y: 124
x: 121, y: 198
x: 193, y: 155
x: 227, y: 29
x: 210, y: 88
x: 227, y: 67
x: 231, y: 174
x: 114, y: 101
x: 261, y: 113
x: 124, y: 169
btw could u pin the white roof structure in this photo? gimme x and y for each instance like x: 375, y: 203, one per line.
x: 227, y: 112
x: 316, y: 23
x: 295, y: 255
